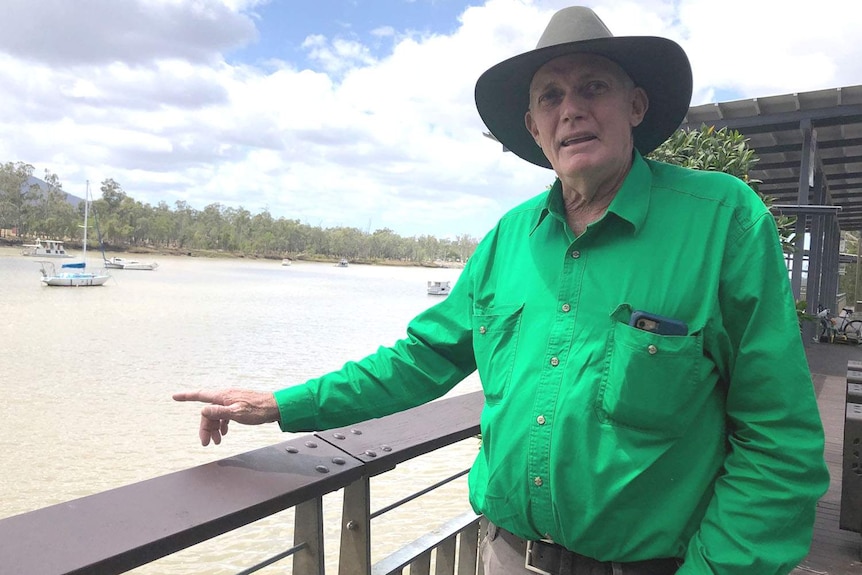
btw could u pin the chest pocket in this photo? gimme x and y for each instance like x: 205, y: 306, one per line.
x: 650, y: 380
x: 495, y: 341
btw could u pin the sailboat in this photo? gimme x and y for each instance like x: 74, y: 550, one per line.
x: 74, y: 274
x: 119, y: 263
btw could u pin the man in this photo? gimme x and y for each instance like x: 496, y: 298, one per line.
x: 648, y: 406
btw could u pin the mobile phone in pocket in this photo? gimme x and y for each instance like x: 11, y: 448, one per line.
x: 657, y: 324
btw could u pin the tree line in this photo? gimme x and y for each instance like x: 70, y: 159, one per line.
x: 125, y: 223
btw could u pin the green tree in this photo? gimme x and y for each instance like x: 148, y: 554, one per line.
x: 125, y: 222
x: 17, y: 197
x: 184, y: 224
x: 162, y: 225
x: 57, y: 216
x: 385, y: 244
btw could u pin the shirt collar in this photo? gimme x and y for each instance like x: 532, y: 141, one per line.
x: 553, y: 205
x: 631, y: 202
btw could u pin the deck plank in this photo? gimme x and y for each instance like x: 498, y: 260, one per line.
x: 833, y: 551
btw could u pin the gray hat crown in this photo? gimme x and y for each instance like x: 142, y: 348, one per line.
x: 571, y: 25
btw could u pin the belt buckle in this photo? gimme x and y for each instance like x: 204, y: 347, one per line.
x: 527, y: 557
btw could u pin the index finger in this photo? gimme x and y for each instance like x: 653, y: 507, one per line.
x: 199, y: 395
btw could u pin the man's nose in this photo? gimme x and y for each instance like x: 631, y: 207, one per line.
x: 574, y: 106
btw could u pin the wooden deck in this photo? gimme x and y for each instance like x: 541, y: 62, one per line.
x: 833, y: 551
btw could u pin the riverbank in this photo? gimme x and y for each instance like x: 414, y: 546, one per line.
x: 189, y: 252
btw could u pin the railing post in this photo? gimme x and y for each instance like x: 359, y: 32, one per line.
x: 445, y: 557
x: 355, y: 555
x: 468, y: 548
x: 308, y: 530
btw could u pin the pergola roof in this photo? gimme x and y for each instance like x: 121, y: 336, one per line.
x: 774, y: 127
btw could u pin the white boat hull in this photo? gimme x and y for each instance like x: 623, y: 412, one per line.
x: 124, y: 264
x: 140, y: 266
x: 45, y: 249
x: 42, y: 255
x: 75, y: 280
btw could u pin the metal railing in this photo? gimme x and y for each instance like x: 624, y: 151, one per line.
x: 124, y: 528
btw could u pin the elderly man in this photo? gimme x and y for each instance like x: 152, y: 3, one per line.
x: 648, y: 407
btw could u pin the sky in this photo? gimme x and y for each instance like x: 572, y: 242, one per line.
x: 355, y: 113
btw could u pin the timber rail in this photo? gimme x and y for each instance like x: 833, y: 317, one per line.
x: 124, y: 528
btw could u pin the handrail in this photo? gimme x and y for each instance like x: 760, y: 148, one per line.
x: 418, y: 494
x: 123, y: 528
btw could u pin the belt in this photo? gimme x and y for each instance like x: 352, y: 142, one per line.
x: 548, y: 558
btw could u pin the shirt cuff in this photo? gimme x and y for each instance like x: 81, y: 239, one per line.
x: 296, y: 409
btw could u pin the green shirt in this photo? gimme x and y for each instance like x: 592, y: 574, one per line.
x: 615, y: 442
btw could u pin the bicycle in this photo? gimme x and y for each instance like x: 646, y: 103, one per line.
x: 847, y: 328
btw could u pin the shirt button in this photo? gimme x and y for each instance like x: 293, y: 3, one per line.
x: 652, y: 350
x: 538, y: 481
x: 567, y: 308
x: 540, y: 420
x: 555, y: 362
x: 482, y: 330
x: 576, y: 254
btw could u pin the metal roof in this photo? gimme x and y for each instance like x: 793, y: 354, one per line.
x: 774, y: 127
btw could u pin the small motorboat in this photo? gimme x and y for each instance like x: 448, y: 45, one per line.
x: 439, y: 287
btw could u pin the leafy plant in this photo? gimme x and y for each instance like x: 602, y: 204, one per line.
x: 801, y: 313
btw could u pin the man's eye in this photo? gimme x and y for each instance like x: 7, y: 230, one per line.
x: 549, y: 97
x: 596, y: 87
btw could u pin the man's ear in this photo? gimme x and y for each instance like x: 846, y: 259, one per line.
x: 640, y: 105
x: 531, y: 126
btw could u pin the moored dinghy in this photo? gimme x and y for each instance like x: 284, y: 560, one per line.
x: 124, y: 264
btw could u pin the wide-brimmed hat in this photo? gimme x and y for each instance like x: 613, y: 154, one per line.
x: 657, y: 65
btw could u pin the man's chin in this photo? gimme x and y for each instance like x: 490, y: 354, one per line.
x: 576, y: 165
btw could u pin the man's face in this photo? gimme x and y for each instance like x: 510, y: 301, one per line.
x: 582, y: 111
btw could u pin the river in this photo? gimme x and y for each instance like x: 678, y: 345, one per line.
x: 88, y: 373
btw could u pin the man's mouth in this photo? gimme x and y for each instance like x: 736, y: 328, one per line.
x: 579, y: 139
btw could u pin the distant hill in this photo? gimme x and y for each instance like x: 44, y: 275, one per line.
x: 43, y: 185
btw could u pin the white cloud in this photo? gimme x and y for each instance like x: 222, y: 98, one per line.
x: 772, y: 47
x: 395, y: 140
x: 65, y: 33
x: 337, y: 55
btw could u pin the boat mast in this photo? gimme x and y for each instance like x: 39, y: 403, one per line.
x: 86, y: 212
